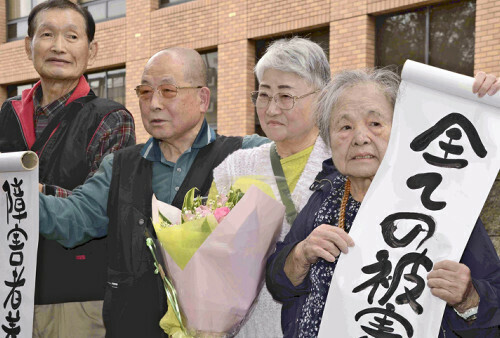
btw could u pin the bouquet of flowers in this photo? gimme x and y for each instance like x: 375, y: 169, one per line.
x: 215, y: 254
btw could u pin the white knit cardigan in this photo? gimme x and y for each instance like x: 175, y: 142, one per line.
x: 265, y: 318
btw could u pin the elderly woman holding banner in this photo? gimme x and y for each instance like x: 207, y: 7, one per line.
x: 355, y: 114
x: 291, y: 74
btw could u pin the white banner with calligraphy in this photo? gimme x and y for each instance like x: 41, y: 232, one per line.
x: 18, y: 242
x: 442, y: 159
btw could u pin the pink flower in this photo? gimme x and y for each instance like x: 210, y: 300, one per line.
x: 220, y: 213
x: 221, y: 201
x: 202, y: 211
x: 188, y: 216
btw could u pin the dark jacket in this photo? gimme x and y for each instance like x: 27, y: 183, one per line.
x: 479, y: 255
x: 63, y: 275
x: 135, y: 299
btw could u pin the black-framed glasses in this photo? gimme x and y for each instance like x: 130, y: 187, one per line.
x: 284, y: 101
x: 168, y: 91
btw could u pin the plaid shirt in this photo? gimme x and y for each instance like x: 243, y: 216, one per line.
x: 43, y: 115
x: 115, y: 131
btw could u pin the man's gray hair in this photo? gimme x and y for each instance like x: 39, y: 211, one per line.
x: 299, y: 56
x: 387, y: 80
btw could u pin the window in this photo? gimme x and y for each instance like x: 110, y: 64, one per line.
x: 441, y: 36
x: 321, y: 36
x: 17, y: 17
x: 104, y: 9
x: 18, y: 11
x: 14, y: 90
x: 210, y: 59
x: 165, y: 3
x: 109, y: 84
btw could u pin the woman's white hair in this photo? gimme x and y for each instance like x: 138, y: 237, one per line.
x: 299, y: 56
x: 387, y: 80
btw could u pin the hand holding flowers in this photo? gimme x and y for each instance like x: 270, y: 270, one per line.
x: 215, y: 258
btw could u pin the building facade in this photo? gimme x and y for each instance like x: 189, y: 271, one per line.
x: 231, y: 35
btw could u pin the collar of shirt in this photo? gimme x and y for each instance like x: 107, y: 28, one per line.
x: 51, y: 107
x: 152, y: 152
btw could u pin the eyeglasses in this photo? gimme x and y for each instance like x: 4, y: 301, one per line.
x: 168, y: 91
x: 284, y: 101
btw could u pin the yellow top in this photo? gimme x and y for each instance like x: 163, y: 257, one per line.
x: 294, y: 165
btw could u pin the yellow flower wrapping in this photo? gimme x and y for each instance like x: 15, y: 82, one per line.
x: 171, y: 326
x: 181, y: 241
x: 244, y: 183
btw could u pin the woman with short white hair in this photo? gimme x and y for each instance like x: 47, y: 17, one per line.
x: 355, y: 113
x: 291, y: 74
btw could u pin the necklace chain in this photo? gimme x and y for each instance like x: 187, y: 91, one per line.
x: 343, y: 205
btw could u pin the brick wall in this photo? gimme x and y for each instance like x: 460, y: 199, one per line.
x: 232, y: 21
x: 112, y: 52
x: 387, y: 6
x: 235, y: 77
x: 352, y: 43
x: 192, y: 24
x: 137, y: 43
x: 14, y: 64
x: 267, y: 18
x: 3, y: 22
x: 3, y: 39
x: 223, y: 24
x: 487, y: 45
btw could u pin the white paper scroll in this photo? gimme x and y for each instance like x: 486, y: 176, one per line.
x: 18, y: 242
x: 427, y: 96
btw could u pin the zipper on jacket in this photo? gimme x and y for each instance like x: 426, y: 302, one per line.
x: 113, y: 285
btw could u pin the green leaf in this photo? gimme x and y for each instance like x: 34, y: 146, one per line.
x: 197, y: 202
x: 189, y: 200
x: 234, y: 197
x: 163, y: 219
x: 205, y: 226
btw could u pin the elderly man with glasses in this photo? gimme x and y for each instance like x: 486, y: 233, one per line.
x: 181, y: 154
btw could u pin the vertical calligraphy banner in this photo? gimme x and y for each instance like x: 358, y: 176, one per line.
x: 18, y: 241
x: 442, y: 159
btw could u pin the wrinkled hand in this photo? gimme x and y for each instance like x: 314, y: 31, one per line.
x: 452, y: 282
x: 325, y: 242
x: 485, y: 84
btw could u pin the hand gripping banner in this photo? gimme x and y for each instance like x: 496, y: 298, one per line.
x: 442, y: 159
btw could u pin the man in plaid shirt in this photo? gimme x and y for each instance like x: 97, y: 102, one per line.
x: 71, y: 130
x: 115, y: 131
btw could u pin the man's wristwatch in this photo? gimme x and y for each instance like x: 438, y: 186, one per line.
x: 469, y: 314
